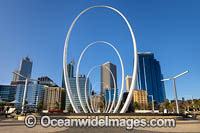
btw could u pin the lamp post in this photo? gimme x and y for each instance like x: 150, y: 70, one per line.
x: 25, y: 89
x: 174, y: 84
x: 152, y: 103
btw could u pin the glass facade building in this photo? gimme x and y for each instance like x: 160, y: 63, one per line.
x: 70, y: 70
x: 72, y: 82
x: 149, y: 77
x: 112, y: 95
x: 7, y: 92
x: 33, y: 96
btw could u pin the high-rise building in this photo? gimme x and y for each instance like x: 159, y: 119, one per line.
x: 107, y: 81
x: 72, y: 81
x: 34, y: 94
x: 70, y: 70
x: 140, y: 96
x: 7, y: 92
x: 54, y: 98
x: 46, y: 81
x: 15, y: 76
x: 107, y: 95
x: 128, y: 85
x: 149, y: 77
x: 25, y: 69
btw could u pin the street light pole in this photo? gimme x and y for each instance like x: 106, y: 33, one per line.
x: 24, y: 97
x: 175, y: 92
x: 176, y: 97
x: 152, y: 102
x: 25, y: 90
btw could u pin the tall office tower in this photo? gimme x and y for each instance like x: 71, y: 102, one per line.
x: 107, y: 81
x: 15, y: 76
x: 25, y: 69
x: 149, y: 77
x: 72, y: 82
x: 128, y: 85
x: 70, y: 70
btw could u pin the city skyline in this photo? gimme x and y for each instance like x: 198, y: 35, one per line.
x: 46, y: 47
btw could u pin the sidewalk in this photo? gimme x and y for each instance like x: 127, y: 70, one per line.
x: 14, y: 126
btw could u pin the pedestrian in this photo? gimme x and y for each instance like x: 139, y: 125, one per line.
x: 6, y: 113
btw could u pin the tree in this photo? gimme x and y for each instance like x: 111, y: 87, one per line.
x: 166, y: 104
x: 172, y: 106
x: 39, y: 106
x: 70, y: 108
x: 131, y: 107
x: 150, y: 105
x: 136, y: 105
x: 187, y: 105
x: 198, y: 104
x: 56, y: 106
x: 86, y: 107
x: 9, y: 100
x: 2, y: 106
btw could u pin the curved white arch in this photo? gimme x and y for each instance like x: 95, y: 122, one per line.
x: 77, y: 71
x: 90, y: 71
x: 92, y: 107
x: 106, y: 106
x: 68, y: 88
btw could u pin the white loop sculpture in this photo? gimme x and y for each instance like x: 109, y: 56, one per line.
x: 91, y: 103
x: 77, y: 71
x: 68, y: 88
x: 115, y: 86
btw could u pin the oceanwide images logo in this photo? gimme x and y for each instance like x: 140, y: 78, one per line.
x: 46, y: 121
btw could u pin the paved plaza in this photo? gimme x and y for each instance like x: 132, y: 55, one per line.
x: 14, y: 126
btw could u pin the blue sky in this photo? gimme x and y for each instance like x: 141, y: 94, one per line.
x: 170, y: 29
